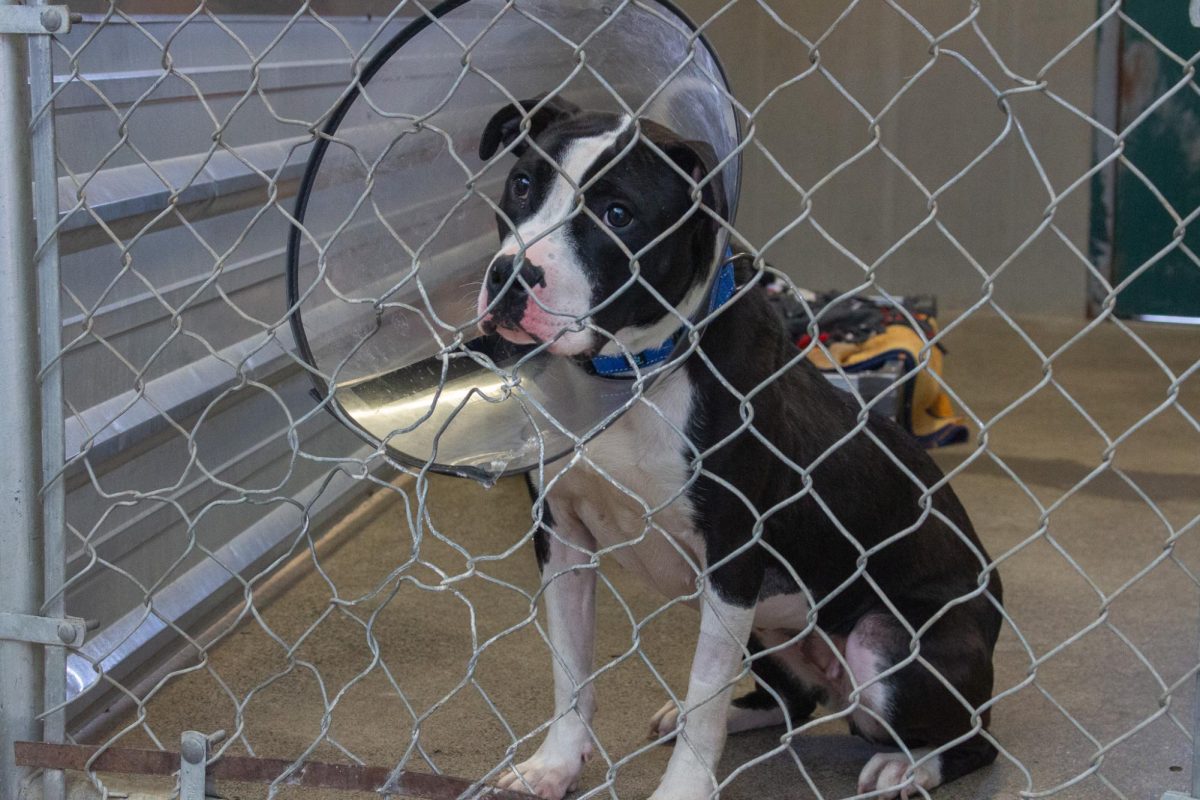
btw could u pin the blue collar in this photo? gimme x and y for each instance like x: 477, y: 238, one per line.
x: 620, y: 365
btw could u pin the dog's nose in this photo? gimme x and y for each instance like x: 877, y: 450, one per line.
x: 501, y: 271
x: 498, y: 275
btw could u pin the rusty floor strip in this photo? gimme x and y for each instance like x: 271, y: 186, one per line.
x: 314, y: 774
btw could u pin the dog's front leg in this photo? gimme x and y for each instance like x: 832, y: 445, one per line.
x: 724, y: 631
x: 569, y: 591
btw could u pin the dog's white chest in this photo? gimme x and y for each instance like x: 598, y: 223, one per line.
x: 632, y: 495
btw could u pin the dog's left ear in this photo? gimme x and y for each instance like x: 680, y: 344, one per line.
x: 699, y: 160
x: 505, y: 125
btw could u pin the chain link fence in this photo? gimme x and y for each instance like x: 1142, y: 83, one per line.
x: 249, y: 568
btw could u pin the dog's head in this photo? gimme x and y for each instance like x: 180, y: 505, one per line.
x: 564, y: 276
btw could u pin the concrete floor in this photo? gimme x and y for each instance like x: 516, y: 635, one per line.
x: 427, y: 630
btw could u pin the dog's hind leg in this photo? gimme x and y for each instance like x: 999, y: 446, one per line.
x: 759, y: 707
x: 753, y: 710
x: 916, y: 704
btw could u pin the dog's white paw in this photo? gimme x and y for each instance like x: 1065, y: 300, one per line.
x: 664, y: 721
x: 886, y: 773
x: 546, y: 775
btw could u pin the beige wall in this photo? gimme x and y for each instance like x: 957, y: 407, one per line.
x: 939, y: 125
x: 942, y: 122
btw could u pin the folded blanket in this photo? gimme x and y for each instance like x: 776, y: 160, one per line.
x: 869, y: 336
x: 926, y: 411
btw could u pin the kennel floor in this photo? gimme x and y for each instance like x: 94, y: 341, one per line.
x: 1107, y: 644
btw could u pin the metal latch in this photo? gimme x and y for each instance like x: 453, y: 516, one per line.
x: 36, y: 19
x: 63, y: 631
x: 193, y: 765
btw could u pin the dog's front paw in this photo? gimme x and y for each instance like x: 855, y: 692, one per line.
x: 885, y: 773
x: 546, y: 775
x: 664, y: 721
x: 693, y: 791
x: 686, y: 780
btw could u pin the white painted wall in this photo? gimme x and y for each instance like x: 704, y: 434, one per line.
x: 946, y: 118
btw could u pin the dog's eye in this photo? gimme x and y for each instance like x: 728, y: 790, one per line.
x: 617, y: 216
x: 520, y: 185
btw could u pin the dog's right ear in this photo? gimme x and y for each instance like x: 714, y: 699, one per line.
x: 699, y: 160
x: 505, y: 125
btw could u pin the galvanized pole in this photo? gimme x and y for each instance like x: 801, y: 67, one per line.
x: 20, y: 416
x: 1196, y: 723
x: 49, y: 285
x: 1194, y: 18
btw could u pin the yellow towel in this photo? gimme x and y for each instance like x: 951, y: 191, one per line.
x: 932, y: 419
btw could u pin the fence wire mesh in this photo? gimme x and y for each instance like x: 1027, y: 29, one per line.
x: 255, y: 568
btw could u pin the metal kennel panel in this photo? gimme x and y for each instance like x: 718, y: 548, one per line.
x: 173, y: 470
x: 154, y: 339
x: 151, y: 342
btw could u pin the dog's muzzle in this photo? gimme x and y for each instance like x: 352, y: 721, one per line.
x: 508, y: 294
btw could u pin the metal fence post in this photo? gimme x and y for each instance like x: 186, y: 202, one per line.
x: 49, y: 286
x: 20, y: 428
x: 1195, y: 783
x: 1196, y: 698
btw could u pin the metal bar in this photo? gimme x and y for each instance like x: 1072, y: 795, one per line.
x: 20, y: 422
x: 28, y: 21
x: 1196, y: 740
x: 33, y: 629
x: 193, y: 751
x: 314, y: 774
x: 134, y: 194
x: 1167, y: 319
x: 124, y: 87
x: 1106, y: 109
x: 49, y: 287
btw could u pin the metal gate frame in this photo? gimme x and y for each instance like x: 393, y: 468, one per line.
x: 31, y: 524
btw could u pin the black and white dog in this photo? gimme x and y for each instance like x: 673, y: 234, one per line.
x: 821, y: 558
